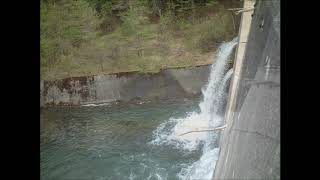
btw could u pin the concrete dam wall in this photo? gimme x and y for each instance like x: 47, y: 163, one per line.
x: 250, y: 145
x: 169, y: 83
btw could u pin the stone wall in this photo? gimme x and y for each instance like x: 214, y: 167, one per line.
x: 169, y: 83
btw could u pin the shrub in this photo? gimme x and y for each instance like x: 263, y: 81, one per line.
x: 64, y: 25
x: 214, y: 32
x: 133, y: 18
x: 166, y: 21
x: 183, y: 24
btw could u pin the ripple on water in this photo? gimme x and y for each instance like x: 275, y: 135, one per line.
x: 110, y: 142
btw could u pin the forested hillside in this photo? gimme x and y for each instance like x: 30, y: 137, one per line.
x: 89, y: 37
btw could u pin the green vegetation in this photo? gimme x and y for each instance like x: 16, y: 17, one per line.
x: 87, y: 37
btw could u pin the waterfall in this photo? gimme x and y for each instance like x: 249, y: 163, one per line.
x: 168, y: 133
x: 221, y: 92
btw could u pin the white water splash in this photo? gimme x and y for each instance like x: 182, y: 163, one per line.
x: 221, y: 90
x: 94, y: 105
x: 203, y: 168
x: 132, y: 176
x: 169, y: 133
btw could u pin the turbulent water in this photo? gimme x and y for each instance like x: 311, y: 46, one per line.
x: 138, y: 140
x: 169, y: 133
x: 111, y: 142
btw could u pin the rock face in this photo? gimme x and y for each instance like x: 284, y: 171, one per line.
x: 250, y: 145
x: 169, y: 83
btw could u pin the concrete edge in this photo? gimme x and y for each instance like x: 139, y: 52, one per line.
x: 244, y: 31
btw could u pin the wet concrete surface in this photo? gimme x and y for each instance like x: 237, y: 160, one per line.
x: 166, y: 84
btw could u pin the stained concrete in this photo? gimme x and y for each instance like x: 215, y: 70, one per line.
x: 250, y: 145
x: 169, y: 83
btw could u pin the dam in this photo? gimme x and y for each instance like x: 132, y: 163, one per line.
x: 157, y: 126
x: 250, y: 145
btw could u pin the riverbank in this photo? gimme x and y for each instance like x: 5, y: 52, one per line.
x: 74, y: 44
x: 166, y: 84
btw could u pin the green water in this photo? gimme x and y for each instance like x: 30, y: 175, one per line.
x: 111, y: 142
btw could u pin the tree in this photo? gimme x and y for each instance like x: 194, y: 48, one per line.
x: 135, y: 16
x: 64, y: 25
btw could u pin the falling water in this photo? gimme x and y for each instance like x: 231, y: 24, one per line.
x: 169, y: 133
x: 222, y: 92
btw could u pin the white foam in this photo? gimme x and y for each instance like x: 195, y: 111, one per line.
x: 195, y: 121
x: 203, y: 168
x: 94, y: 105
x: 169, y: 133
x: 132, y: 176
